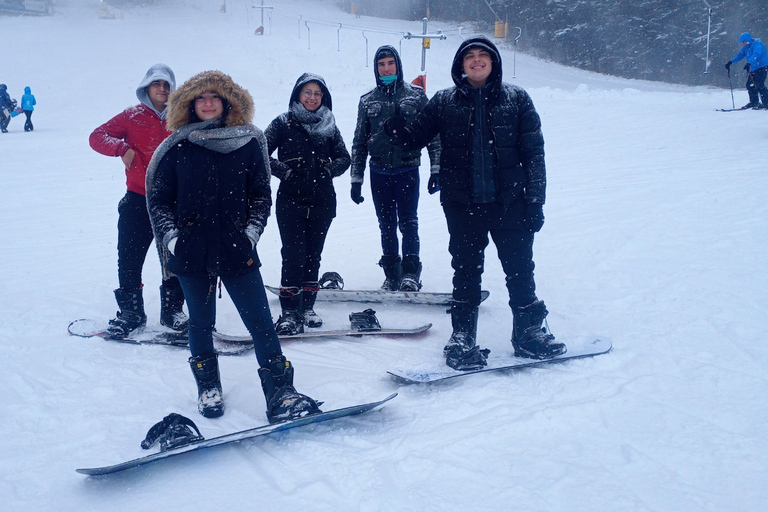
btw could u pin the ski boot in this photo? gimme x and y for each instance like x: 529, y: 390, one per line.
x: 308, y: 297
x: 283, y: 401
x: 205, y: 368
x: 171, y: 302
x: 530, y: 338
x: 131, y: 315
x: 411, y: 274
x: 392, y: 272
x: 461, y: 352
x: 291, y: 321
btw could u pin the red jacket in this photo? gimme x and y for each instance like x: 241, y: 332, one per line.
x: 138, y: 128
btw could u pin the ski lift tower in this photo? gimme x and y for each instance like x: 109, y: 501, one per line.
x: 709, y: 29
x: 426, y: 40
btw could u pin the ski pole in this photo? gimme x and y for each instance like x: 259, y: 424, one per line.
x: 733, y: 102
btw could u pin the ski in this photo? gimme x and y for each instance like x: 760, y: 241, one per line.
x: 577, y: 348
x: 732, y: 109
x: 237, y: 436
x: 383, y: 296
x: 328, y: 334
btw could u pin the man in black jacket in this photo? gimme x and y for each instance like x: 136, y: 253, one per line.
x: 493, y: 181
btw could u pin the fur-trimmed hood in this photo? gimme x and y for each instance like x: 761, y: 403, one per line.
x: 238, y: 103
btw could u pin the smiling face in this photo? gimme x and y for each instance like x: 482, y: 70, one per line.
x: 208, y: 105
x: 158, y: 92
x: 386, y: 66
x: 477, y: 65
x: 311, y: 96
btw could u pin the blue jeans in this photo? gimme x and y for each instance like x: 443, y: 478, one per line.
x: 396, y: 198
x: 250, y: 299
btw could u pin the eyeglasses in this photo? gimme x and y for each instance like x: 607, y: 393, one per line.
x: 160, y: 84
x: 308, y: 94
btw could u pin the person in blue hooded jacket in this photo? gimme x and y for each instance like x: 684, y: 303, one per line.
x: 28, y: 103
x: 6, y: 106
x: 757, y: 68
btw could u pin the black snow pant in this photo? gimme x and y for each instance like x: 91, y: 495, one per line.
x: 134, y: 237
x: 28, y: 127
x: 756, y: 86
x: 469, y: 227
x: 303, y: 230
x: 4, y: 120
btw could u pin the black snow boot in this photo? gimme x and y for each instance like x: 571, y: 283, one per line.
x: 461, y: 352
x: 283, y: 401
x: 531, y: 336
x: 411, y: 274
x: 131, y: 315
x: 171, y: 302
x: 205, y: 368
x: 291, y: 321
x: 308, y: 297
x: 392, y: 266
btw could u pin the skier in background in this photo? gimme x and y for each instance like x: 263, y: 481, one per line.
x: 757, y: 68
x: 493, y: 181
x: 310, y: 154
x: 133, y: 135
x: 6, y: 106
x: 394, y: 170
x: 28, y: 103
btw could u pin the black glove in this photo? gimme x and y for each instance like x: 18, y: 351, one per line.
x: 728, y: 65
x: 746, y: 68
x: 357, y: 193
x: 434, y: 183
x: 394, y: 128
x: 534, y: 217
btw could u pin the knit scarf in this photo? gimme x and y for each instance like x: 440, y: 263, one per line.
x: 320, y: 124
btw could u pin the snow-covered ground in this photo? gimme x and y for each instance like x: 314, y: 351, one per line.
x: 655, y: 237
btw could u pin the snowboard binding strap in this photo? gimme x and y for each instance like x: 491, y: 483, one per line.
x: 365, y: 321
x: 331, y: 281
x: 173, y: 431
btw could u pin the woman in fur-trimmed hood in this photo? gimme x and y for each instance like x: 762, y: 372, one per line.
x: 209, y: 198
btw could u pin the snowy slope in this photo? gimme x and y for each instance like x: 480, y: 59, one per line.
x: 655, y: 237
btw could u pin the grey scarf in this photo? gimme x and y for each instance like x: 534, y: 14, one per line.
x: 320, y: 124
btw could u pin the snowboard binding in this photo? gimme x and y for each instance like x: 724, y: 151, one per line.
x: 365, y: 321
x: 331, y: 281
x: 173, y: 431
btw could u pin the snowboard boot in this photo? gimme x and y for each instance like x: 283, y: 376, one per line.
x: 530, y: 338
x: 308, y: 297
x: 131, y: 315
x: 283, y: 401
x: 291, y: 321
x: 205, y: 368
x: 392, y: 272
x: 411, y: 274
x: 461, y: 352
x: 171, y: 302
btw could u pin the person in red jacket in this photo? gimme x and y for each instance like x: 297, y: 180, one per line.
x: 133, y: 135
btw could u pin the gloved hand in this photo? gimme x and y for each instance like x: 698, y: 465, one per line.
x: 746, y: 68
x: 357, y: 193
x: 728, y: 65
x: 394, y: 128
x: 434, y: 183
x: 534, y: 217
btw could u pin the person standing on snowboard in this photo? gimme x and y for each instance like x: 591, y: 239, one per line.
x: 493, y: 182
x: 394, y: 170
x: 310, y: 154
x: 757, y: 68
x: 209, y: 199
x: 133, y: 135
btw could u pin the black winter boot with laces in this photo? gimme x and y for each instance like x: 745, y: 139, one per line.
x: 393, y: 271
x: 411, y: 280
x: 283, y: 401
x: 461, y: 352
x: 308, y: 297
x: 131, y: 315
x: 531, y: 337
x: 205, y: 368
x: 291, y: 321
x: 171, y: 303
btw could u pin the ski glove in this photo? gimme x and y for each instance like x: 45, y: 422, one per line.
x: 534, y: 217
x: 728, y: 65
x: 357, y: 193
x: 394, y: 128
x: 434, y: 183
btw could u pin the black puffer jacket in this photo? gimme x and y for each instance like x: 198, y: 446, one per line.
x: 375, y: 107
x: 312, y: 164
x: 515, y: 126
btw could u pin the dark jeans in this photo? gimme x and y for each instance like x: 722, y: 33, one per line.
x: 134, y: 238
x: 250, y: 299
x: 303, y: 230
x: 396, y: 198
x: 469, y: 227
x: 756, y: 86
x: 4, y: 120
x: 28, y: 123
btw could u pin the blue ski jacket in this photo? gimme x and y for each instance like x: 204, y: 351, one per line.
x: 28, y: 101
x: 754, y: 51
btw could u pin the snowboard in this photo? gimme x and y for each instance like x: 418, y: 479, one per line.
x: 577, y: 348
x: 383, y: 296
x: 228, y: 338
x: 237, y: 436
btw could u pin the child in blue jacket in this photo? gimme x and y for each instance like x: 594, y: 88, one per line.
x: 28, y: 103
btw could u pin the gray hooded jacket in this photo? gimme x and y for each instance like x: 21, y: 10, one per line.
x: 156, y: 72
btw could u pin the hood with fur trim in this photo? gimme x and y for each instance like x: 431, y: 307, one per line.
x: 238, y: 103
